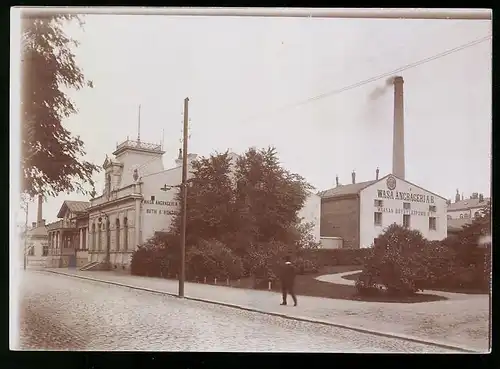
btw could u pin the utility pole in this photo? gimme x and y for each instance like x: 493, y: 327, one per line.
x: 25, y: 236
x: 182, y: 273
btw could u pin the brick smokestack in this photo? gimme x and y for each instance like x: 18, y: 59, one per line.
x: 39, y: 215
x: 398, y: 138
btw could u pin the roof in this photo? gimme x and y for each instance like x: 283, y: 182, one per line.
x: 354, y: 189
x: 74, y: 207
x: 38, y: 232
x: 467, y: 204
x: 54, y: 225
x: 343, y: 190
x: 457, y: 224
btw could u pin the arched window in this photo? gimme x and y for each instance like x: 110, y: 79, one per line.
x: 461, y: 216
x: 125, y: 234
x: 466, y: 216
x: 117, y: 238
x: 476, y: 214
x: 94, y: 238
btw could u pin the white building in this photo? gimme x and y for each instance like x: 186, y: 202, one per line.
x: 360, y: 212
x: 138, y: 200
x: 36, y: 245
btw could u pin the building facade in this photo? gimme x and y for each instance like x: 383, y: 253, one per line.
x: 138, y: 200
x: 68, y: 237
x: 360, y: 212
x: 37, y: 245
x: 464, y: 211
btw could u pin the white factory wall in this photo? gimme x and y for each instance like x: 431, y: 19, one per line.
x: 311, y: 212
x: 392, y: 210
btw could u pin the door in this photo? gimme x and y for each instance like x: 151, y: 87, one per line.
x: 72, y: 261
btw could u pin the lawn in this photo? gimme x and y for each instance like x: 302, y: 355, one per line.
x: 353, y: 277
x: 308, y: 285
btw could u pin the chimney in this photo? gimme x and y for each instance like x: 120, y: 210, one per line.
x: 462, y: 196
x: 481, y: 197
x: 376, y: 174
x: 39, y: 215
x: 337, y: 180
x: 33, y: 225
x: 353, y: 177
x: 457, y: 196
x: 398, y: 137
x: 448, y: 202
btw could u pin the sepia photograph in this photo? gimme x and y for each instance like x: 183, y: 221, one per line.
x: 250, y: 180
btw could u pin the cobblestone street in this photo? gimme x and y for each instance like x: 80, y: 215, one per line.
x: 64, y: 313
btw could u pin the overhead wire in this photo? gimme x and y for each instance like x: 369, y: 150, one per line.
x: 377, y: 77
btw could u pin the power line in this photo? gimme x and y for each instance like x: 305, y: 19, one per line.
x: 383, y: 75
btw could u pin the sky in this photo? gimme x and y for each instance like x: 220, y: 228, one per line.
x: 238, y: 72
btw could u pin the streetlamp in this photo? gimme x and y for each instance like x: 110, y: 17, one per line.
x: 183, y: 186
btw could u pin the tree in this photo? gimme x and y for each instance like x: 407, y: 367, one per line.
x: 268, y: 197
x: 52, y: 158
x: 209, y: 200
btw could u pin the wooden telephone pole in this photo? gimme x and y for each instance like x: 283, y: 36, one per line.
x: 182, y: 273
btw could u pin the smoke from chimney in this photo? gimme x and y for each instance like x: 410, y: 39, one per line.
x: 398, y: 144
x: 380, y: 91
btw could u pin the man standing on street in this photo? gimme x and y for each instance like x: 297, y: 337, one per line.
x: 288, y: 281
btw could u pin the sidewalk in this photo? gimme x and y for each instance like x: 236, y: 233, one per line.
x: 458, y: 323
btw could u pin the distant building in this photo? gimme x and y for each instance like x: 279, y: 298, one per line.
x: 359, y: 212
x: 463, y: 211
x: 138, y: 200
x: 37, y: 245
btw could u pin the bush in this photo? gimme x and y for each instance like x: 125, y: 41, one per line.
x: 305, y: 266
x: 397, y: 261
x: 212, y: 259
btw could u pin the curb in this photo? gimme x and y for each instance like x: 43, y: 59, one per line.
x: 280, y: 315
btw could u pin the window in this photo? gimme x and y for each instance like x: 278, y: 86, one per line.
x: 406, y: 221
x: 377, y: 218
x: 125, y: 233
x: 449, y: 217
x: 117, y: 237
x: 152, y: 198
x: 31, y: 251
x: 379, y: 203
x: 461, y: 216
x: 406, y: 205
x: 466, y: 216
x: 84, y: 239
x: 476, y: 214
x: 45, y: 250
x: 432, y: 208
x: 432, y: 223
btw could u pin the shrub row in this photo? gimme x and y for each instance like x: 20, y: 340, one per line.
x: 402, y: 262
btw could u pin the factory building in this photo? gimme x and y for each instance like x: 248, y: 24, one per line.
x: 360, y: 211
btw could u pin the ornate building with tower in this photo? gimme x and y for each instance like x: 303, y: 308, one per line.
x: 139, y: 199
